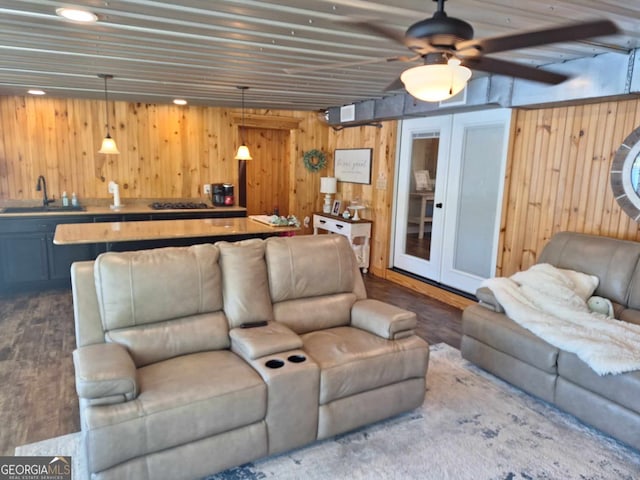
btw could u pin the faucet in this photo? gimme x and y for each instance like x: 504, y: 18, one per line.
x: 42, y: 185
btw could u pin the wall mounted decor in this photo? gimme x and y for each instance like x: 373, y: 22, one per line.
x: 625, y: 175
x: 353, y: 165
x: 314, y: 160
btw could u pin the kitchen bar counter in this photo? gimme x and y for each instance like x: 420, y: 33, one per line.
x: 111, y: 232
x: 124, y: 210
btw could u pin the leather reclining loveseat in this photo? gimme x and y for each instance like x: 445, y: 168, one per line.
x: 172, y: 386
x: 496, y: 343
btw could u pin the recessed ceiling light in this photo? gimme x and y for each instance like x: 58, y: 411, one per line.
x: 180, y: 101
x: 35, y: 91
x: 77, y: 15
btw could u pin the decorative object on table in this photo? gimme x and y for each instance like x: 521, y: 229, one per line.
x: 277, y: 221
x: 109, y: 146
x: 243, y: 151
x: 314, y: 160
x: 346, y: 214
x: 355, y: 209
x: 353, y: 165
x: 423, y: 180
x: 114, y: 189
x: 335, y: 209
x: 328, y: 186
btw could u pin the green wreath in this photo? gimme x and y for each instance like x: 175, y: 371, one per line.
x: 314, y: 160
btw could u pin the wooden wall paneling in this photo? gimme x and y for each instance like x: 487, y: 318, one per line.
x: 574, y: 166
x: 568, y: 173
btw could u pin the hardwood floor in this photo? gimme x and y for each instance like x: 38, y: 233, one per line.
x: 37, y: 393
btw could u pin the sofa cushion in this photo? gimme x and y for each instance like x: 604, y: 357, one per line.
x: 315, y: 313
x: 161, y: 340
x: 309, y: 266
x: 503, y: 334
x: 613, y: 261
x: 141, y: 287
x: 245, y: 285
x: 352, y: 361
x: 622, y: 388
x: 181, y: 400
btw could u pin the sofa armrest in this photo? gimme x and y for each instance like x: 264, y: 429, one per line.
x: 383, y: 319
x: 252, y: 343
x: 488, y: 300
x: 105, y: 373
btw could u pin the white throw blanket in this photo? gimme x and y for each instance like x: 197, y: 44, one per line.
x: 544, y: 300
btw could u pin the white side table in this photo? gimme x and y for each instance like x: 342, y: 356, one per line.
x: 352, y: 229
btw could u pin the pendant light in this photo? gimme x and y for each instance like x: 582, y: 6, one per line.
x: 108, y: 144
x: 243, y: 150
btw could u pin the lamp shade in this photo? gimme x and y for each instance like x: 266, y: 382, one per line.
x: 109, y: 146
x: 436, y: 82
x: 328, y: 184
x: 243, y: 153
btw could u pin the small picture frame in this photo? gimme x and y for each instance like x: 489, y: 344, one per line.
x: 423, y: 180
x: 335, y: 209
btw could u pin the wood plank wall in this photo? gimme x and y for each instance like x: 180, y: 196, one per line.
x: 167, y: 151
x: 558, y: 178
x: 378, y: 196
x: 557, y: 175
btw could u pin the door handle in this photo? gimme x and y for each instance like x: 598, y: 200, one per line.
x: 439, y: 205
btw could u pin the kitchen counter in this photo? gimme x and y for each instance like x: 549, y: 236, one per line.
x: 110, y: 232
x: 125, y: 209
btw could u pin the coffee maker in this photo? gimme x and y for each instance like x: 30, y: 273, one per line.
x: 222, y: 195
x: 217, y: 194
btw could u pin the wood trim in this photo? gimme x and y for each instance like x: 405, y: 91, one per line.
x: 432, y: 291
x: 273, y: 122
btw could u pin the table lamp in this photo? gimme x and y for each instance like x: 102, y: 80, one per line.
x: 328, y: 186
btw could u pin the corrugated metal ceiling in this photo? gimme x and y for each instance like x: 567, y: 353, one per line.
x: 201, y: 50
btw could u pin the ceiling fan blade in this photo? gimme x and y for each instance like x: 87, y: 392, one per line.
x: 512, y: 69
x: 395, y: 85
x: 566, y: 33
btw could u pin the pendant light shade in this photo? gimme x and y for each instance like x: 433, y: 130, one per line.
x: 243, y: 151
x: 437, y: 80
x: 108, y: 144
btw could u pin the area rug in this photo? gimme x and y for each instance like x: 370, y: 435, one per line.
x: 471, y: 426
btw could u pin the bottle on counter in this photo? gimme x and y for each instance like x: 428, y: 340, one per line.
x: 65, y: 199
x: 74, y: 199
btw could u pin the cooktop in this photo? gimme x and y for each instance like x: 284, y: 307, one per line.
x: 179, y: 206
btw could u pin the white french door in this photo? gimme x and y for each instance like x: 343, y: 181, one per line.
x: 424, y: 146
x: 449, y: 232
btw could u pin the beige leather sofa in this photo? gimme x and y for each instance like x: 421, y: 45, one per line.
x: 496, y: 343
x: 172, y: 387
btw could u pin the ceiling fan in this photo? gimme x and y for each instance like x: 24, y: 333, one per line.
x: 449, y: 51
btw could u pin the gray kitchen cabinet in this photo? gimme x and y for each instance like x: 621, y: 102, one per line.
x: 29, y: 260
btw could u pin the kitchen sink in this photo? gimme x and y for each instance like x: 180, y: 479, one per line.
x: 43, y: 209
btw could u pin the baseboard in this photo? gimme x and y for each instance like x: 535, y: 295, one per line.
x: 446, y: 295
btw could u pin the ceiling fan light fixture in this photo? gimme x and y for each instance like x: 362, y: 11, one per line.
x: 436, y: 82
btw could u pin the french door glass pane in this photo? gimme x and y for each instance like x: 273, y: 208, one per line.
x: 424, y: 162
x: 479, y: 187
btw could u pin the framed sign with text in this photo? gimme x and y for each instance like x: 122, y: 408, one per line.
x: 353, y: 165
